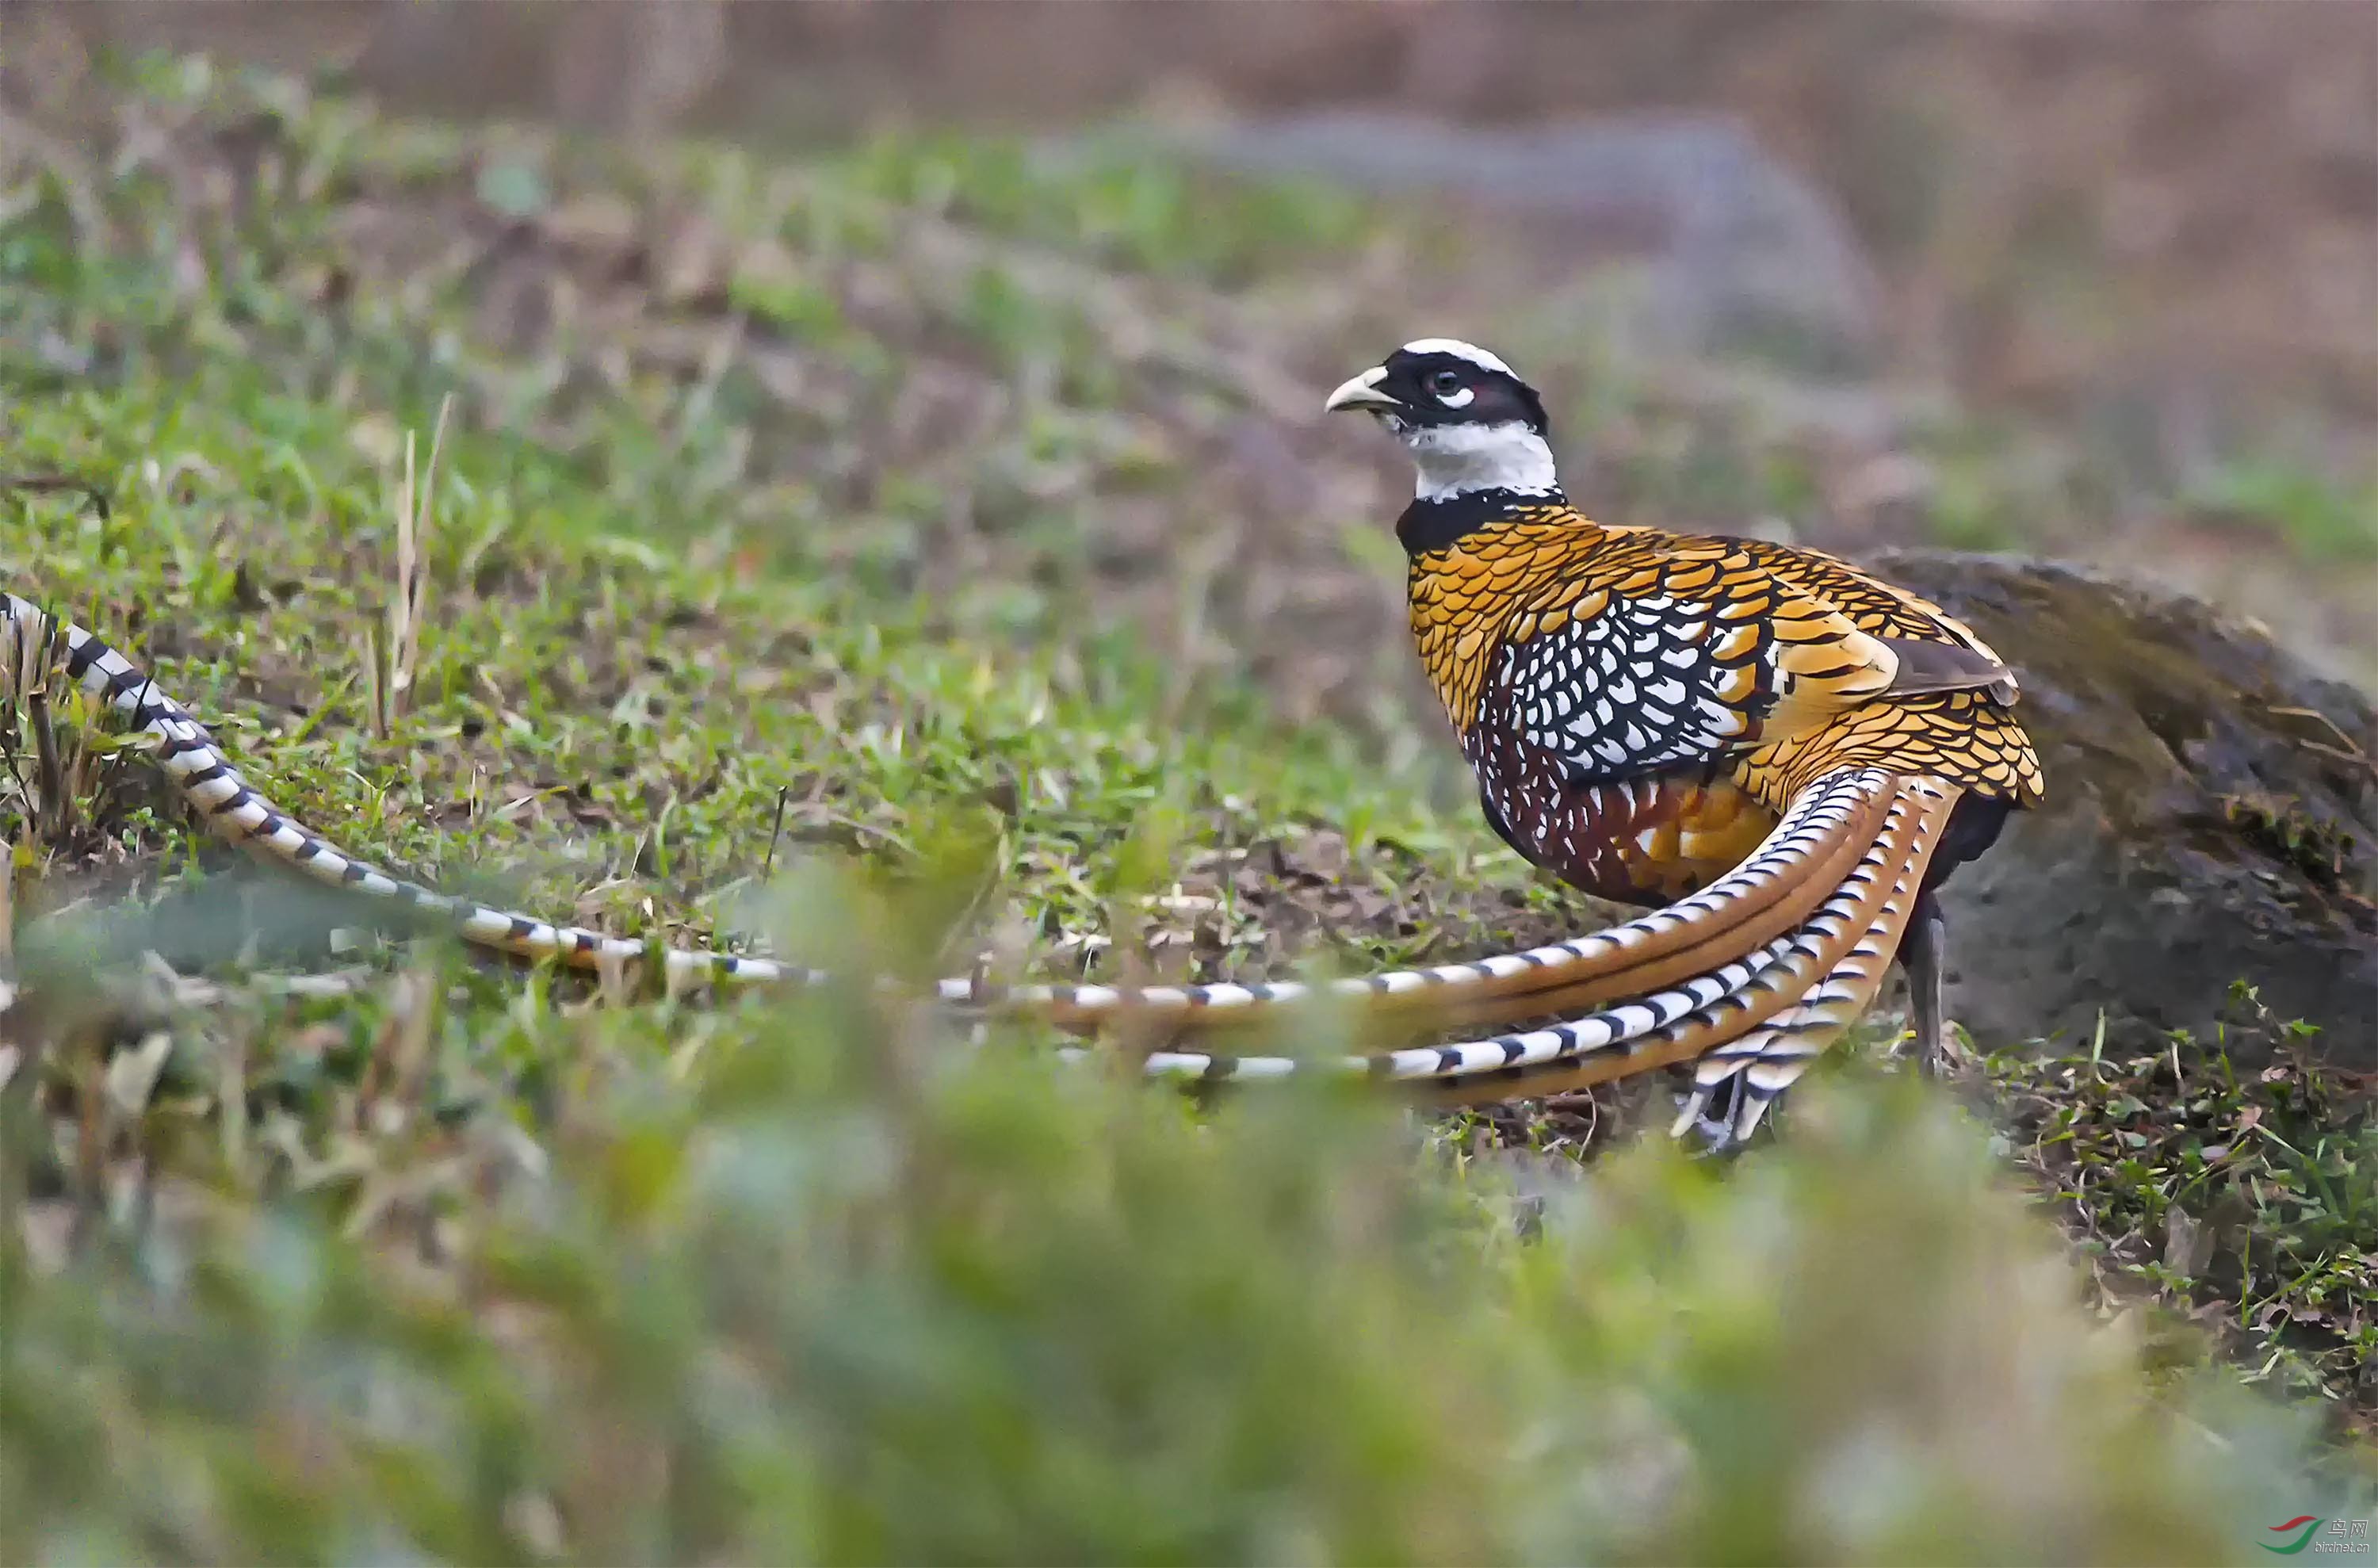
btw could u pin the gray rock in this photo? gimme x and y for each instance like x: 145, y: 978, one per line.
x: 2211, y: 817
x: 1738, y: 249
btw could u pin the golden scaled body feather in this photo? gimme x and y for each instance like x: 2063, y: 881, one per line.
x: 1786, y: 663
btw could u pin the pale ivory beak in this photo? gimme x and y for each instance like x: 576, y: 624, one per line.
x: 1363, y: 392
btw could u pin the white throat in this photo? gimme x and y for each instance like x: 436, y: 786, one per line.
x: 1455, y: 459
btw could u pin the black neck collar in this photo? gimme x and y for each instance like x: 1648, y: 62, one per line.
x: 1433, y: 522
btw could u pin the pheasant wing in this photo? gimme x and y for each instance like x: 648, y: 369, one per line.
x: 1675, y: 661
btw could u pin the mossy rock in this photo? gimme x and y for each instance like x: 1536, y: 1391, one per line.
x: 2211, y: 817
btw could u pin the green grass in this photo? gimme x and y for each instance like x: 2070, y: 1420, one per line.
x: 798, y: 1284
x: 2328, y: 522
x: 789, y: 579
x: 2245, y: 1199
x: 632, y: 623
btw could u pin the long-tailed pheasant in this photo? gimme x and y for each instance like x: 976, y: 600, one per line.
x: 1779, y: 754
x: 1640, y: 707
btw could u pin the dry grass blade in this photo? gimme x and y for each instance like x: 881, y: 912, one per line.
x: 18, y: 658
x: 414, y: 499
x: 375, y: 682
x: 53, y: 814
x: 2349, y: 751
x: 65, y: 764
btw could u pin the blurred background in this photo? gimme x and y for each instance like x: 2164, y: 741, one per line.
x: 2119, y: 259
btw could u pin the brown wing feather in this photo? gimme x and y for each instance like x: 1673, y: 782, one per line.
x: 1945, y: 667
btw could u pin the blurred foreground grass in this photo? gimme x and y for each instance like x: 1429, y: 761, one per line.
x: 468, y: 1266
x: 810, y: 1283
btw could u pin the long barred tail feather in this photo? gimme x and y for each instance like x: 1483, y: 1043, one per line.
x: 1772, y: 892
x: 227, y: 803
x: 1768, y: 1060
x: 1824, y: 830
x: 1778, y: 988
x: 1672, y: 1025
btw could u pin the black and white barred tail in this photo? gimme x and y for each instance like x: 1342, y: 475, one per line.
x: 1824, y: 819
x: 1769, y: 1059
x: 1831, y: 815
x: 227, y: 803
x: 1770, y: 1011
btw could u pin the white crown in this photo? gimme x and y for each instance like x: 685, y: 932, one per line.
x: 1459, y: 350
